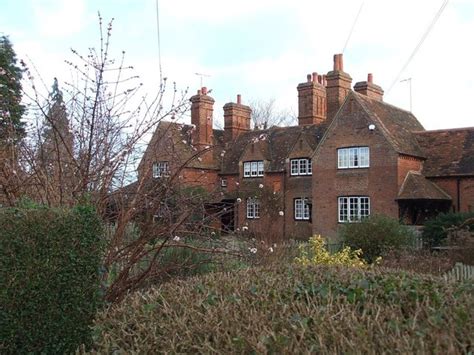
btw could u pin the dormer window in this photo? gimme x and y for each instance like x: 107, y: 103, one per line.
x: 253, y: 169
x: 300, y: 166
x: 223, y: 182
x: 355, y: 157
x: 161, y: 169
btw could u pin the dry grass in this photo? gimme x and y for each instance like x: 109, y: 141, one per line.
x: 291, y: 309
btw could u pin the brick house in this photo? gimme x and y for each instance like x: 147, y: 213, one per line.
x: 350, y: 156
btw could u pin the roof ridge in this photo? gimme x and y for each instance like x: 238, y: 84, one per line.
x: 445, y: 130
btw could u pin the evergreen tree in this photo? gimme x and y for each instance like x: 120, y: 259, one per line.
x: 11, y: 109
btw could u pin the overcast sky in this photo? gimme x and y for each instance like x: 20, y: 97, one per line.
x: 263, y: 48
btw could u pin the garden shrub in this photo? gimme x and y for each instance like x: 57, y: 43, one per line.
x: 49, y: 283
x: 436, y: 230
x: 376, y: 235
x: 319, y: 255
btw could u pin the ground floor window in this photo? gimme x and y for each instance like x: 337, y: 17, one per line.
x: 353, y: 208
x: 253, y: 208
x: 302, y: 209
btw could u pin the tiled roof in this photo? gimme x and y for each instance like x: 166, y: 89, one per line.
x: 397, y: 124
x: 449, y: 152
x: 417, y: 187
x: 275, y: 144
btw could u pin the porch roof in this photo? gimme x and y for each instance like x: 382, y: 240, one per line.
x: 417, y: 187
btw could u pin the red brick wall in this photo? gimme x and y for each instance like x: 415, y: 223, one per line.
x: 379, y: 181
x: 465, y: 198
x: 406, y: 164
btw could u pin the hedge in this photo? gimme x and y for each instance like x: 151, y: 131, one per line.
x: 293, y: 310
x: 49, y: 283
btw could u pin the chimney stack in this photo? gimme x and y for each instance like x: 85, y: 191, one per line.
x: 202, y: 107
x: 369, y: 89
x: 338, y: 86
x: 311, y: 100
x: 236, y: 119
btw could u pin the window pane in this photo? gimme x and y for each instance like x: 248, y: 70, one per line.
x: 253, y: 168
x: 246, y: 169
x: 364, y: 207
x: 310, y: 167
x: 364, y: 157
x: 305, y: 209
x: 298, y: 209
x: 256, y: 208
x: 303, y: 166
x: 260, y: 168
x: 343, y: 209
x: 294, y: 166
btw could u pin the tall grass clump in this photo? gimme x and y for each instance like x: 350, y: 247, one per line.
x: 49, y: 282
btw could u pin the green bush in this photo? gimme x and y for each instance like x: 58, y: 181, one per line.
x: 292, y: 310
x: 49, y: 283
x: 376, y: 236
x: 435, y: 231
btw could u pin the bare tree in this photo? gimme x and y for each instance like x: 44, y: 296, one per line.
x: 265, y: 115
x: 84, y: 143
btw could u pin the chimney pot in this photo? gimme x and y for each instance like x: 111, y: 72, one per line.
x: 324, y: 80
x: 308, y: 78
x: 320, y: 79
x: 204, y: 90
x: 239, y: 99
x: 199, y: 92
x: 337, y: 63
x: 370, y: 78
x: 315, y: 76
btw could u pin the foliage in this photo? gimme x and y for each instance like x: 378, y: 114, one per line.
x: 319, y: 255
x: 11, y: 109
x: 293, y: 309
x: 436, y: 230
x: 376, y: 236
x: 49, y: 282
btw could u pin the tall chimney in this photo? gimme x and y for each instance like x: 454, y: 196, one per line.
x: 236, y: 119
x: 312, y: 105
x: 201, y: 117
x: 369, y: 89
x: 338, y: 86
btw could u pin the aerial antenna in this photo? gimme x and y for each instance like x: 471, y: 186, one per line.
x: 158, y: 40
x: 201, y: 75
x: 353, y: 26
x: 408, y: 80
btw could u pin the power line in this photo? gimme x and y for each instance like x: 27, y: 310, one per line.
x: 158, y: 40
x: 425, y: 35
x: 353, y: 26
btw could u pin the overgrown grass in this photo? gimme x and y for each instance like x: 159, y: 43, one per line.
x: 293, y: 309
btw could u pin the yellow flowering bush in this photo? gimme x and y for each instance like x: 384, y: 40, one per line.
x: 319, y: 255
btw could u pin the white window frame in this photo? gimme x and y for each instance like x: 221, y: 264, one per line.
x: 253, y: 169
x: 160, y: 169
x: 223, y: 182
x: 302, y: 211
x: 353, y: 208
x: 253, y: 208
x: 301, y: 166
x: 353, y: 158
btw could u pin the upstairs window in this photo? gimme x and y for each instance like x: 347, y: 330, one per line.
x: 353, y: 208
x: 223, y: 182
x: 356, y: 157
x: 302, y: 209
x: 253, y: 208
x: 253, y: 168
x: 300, y: 166
x: 160, y: 169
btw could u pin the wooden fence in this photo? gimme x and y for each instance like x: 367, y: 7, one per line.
x: 460, y: 272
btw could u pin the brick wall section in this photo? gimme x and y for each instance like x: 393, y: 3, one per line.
x: 379, y: 181
x: 465, y: 198
x: 405, y: 164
